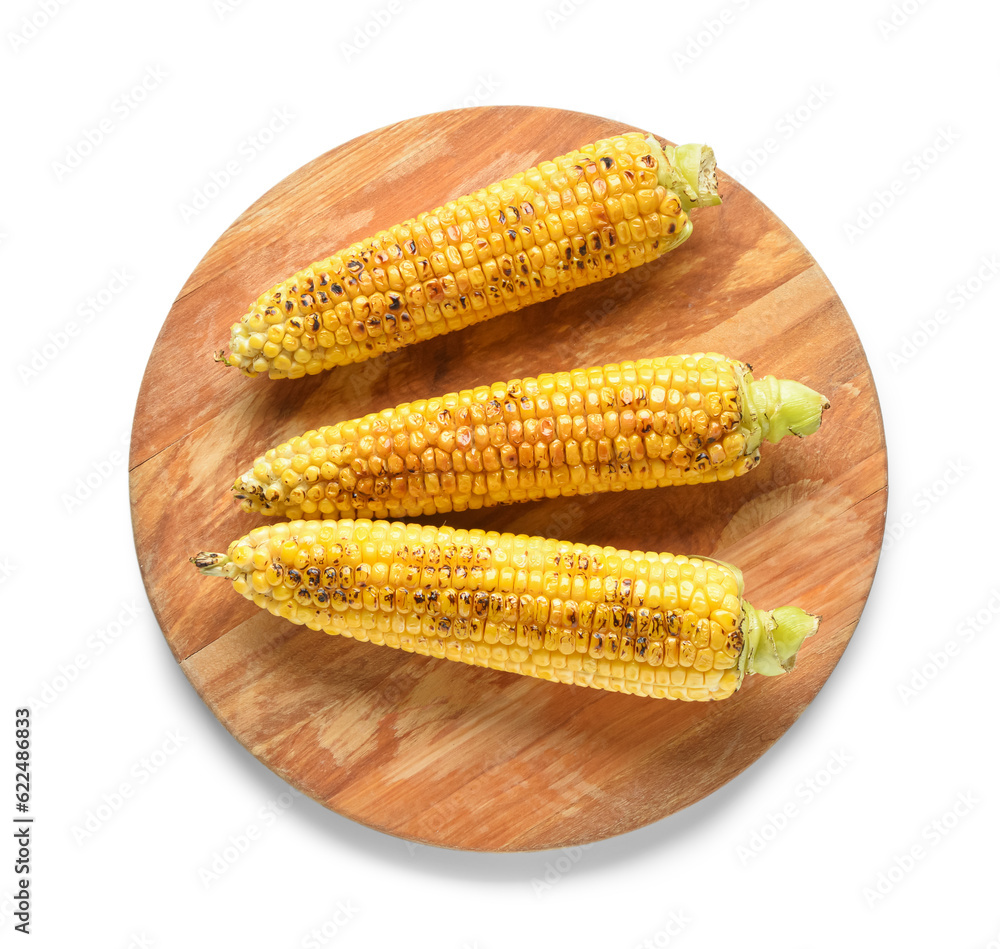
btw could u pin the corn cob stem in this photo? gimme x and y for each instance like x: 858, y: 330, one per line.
x: 779, y: 407
x: 774, y: 638
x: 625, y: 621
x: 672, y: 420
x: 688, y: 171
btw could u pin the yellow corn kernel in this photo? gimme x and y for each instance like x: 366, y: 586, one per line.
x: 399, y: 579
x: 524, y: 239
x: 622, y: 426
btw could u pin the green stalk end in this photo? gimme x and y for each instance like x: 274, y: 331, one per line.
x: 775, y: 637
x: 214, y: 565
x: 780, y: 407
x: 697, y: 164
x: 688, y: 171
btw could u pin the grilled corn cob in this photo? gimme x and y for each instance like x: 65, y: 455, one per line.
x: 643, y: 424
x: 625, y: 621
x: 587, y: 215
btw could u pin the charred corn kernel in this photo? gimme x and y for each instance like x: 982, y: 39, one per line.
x: 531, y: 444
x: 588, y: 215
x: 451, y: 593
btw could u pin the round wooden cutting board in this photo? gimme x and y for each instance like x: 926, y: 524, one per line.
x: 439, y: 752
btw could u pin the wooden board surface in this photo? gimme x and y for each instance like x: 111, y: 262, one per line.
x: 435, y: 751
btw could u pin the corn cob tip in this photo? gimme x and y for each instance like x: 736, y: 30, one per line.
x: 785, y: 407
x: 774, y: 638
x: 689, y: 171
x: 213, y: 564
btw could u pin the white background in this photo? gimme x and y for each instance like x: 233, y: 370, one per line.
x: 881, y: 118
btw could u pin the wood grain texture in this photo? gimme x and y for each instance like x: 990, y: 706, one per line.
x: 438, y: 752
